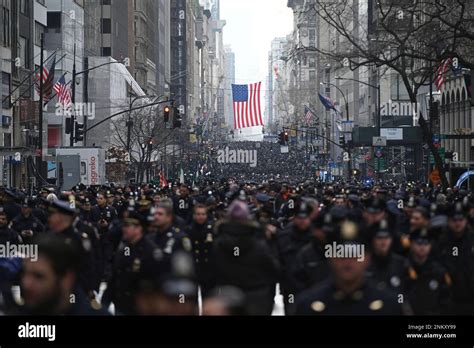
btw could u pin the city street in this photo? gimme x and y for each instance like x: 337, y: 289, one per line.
x: 177, y: 158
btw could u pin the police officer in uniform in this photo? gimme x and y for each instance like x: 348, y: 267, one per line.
x: 138, y: 257
x: 456, y: 253
x: 62, y: 216
x: 6, y: 233
x: 49, y: 283
x: 167, y: 237
x: 26, y: 224
x: 426, y: 284
x: 201, y: 234
x: 183, y: 204
x: 86, y: 210
x: 348, y: 291
x: 311, y: 264
x: 289, y: 242
x: 103, y: 215
x: 10, y: 206
x: 386, y: 268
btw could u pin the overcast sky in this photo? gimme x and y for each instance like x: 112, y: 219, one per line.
x: 251, y: 26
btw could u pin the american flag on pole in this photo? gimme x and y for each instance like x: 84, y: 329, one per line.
x: 441, y: 71
x: 308, y: 115
x: 63, y: 91
x: 163, y: 181
x: 47, y: 75
x: 247, y: 108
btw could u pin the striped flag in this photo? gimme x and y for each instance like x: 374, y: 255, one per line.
x: 247, y: 108
x: 63, y: 91
x: 47, y: 75
x: 441, y: 72
x: 163, y: 181
x: 327, y: 102
x: 308, y: 115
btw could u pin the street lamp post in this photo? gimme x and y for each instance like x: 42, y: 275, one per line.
x: 379, y: 98
x: 378, y: 120
x: 347, y: 147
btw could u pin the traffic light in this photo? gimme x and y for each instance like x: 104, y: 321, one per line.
x: 166, y: 113
x: 78, y: 132
x: 283, y: 138
x: 68, y: 125
x: 177, y: 119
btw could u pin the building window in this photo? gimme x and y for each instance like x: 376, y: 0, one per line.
x: 6, y: 90
x: 24, y: 59
x: 7, y: 140
x: 312, y: 75
x: 106, y: 51
x: 5, y: 35
x: 312, y: 37
x: 106, y: 2
x: 106, y: 26
x: 24, y: 7
x: 312, y: 62
x: 54, y: 22
x: 39, y: 29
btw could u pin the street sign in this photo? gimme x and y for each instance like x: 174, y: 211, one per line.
x: 379, y: 153
x: 379, y: 142
x: 392, y: 133
x: 435, y: 178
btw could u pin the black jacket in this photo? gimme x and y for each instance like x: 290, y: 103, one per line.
x: 243, y: 260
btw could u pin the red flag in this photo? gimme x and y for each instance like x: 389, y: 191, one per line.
x: 441, y: 72
x: 163, y: 181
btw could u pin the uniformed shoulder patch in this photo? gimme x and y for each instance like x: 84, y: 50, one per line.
x: 405, y: 241
x: 187, y: 244
x: 209, y: 238
x: 136, y: 265
x: 412, y: 273
x: 158, y: 254
x: 96, y: 305
x: 318, y: 306
x: 448, y: 279
x: 376, y: 305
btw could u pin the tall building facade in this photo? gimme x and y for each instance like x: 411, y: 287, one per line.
x: 277, y: 88
x: 229, y: 79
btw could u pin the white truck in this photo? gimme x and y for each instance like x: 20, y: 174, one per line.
x: 80, y: 165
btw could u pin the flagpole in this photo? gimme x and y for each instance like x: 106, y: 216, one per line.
x: 39, y: 159
x: 73, y: 98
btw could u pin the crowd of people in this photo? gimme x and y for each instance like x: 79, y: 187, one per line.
x: 328, y: 249
x: 271, y: 162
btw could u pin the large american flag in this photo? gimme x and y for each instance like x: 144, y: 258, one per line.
x: 47, y: 75
x: 247, y: 108
x: 63, y: 91
x: 441, y: 72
